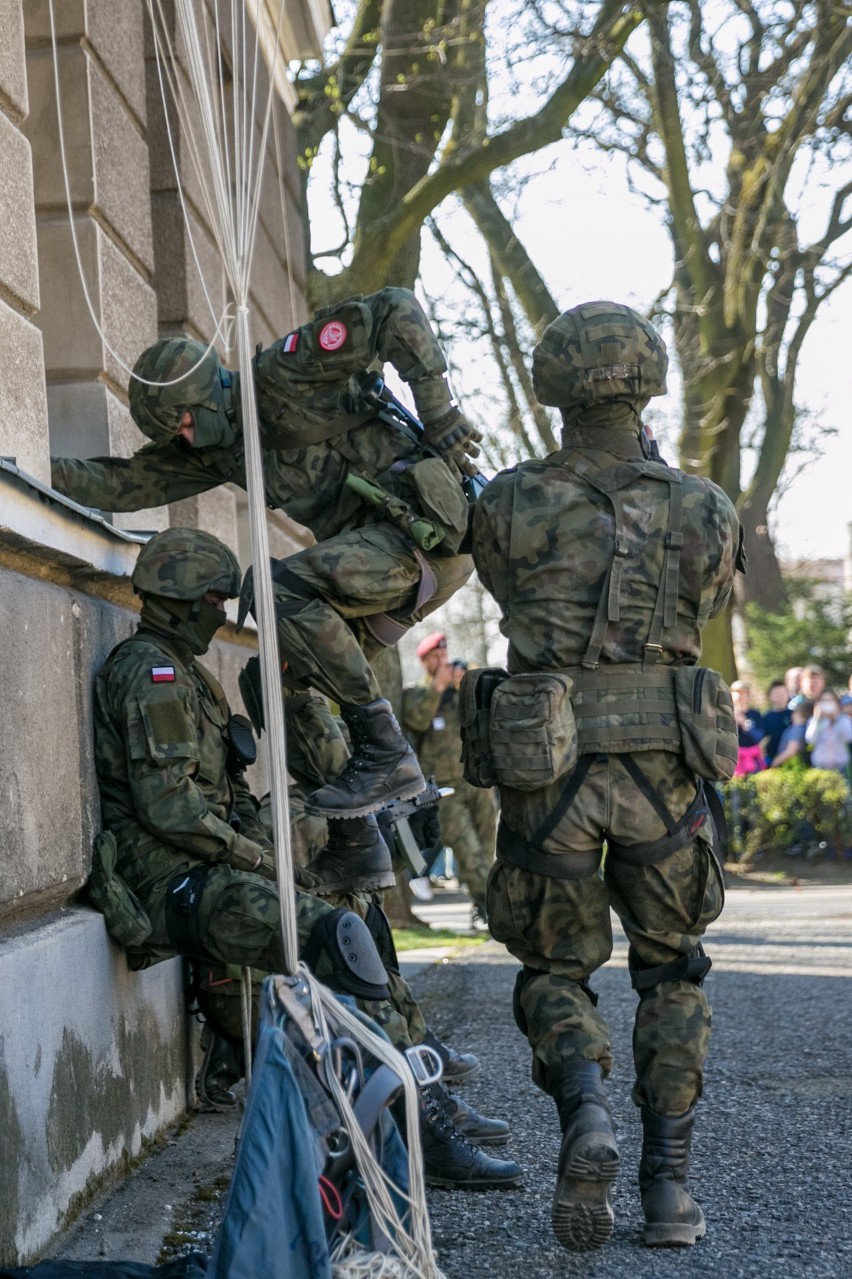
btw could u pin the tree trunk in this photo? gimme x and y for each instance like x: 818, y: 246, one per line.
x: 762, y: 582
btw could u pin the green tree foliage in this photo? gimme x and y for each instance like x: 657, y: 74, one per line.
x: 810, y: 628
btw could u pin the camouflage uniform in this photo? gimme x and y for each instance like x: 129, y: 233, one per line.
x: 175, y: 798
x: 543, y: 543
x: 469, y: 816
x: 362, y: 565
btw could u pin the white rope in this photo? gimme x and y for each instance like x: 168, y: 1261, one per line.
x: 246, y: 1011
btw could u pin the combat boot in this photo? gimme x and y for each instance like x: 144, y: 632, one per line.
x: 582, y: 1214
x: 221, y: 1068
x: 355, y: 859
x: 451, y: 1160
x: 458, y: 1067
x: 382, y: 767
x: 476, y: 1127
x: 672, y: 1217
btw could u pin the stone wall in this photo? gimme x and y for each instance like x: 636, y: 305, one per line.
x: 94, y: 1059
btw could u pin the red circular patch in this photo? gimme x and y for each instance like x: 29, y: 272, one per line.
x: 332, y: 335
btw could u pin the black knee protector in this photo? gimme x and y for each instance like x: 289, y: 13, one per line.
x: 380, y: 931
x: 693, y: 967
x: 183, y: 899
x: 342, y: 940
x: 526, y: 974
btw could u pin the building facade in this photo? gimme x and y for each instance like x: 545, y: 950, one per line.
x: 94, y: 1059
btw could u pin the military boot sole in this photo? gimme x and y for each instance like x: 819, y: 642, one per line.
x: 440, y: 1181
x: 661, y: 1234
x: 410, y: 791
x: 353, y: 883
x: 582, y: 1214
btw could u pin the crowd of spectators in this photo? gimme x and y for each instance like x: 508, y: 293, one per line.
x: 806, y: 724
x: 805, y: 727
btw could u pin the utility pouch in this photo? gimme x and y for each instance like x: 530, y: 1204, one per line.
x: 475, y: 695
x: 440, y: 497
x: 705, y: 713
x: 125, y: 919
x: 533, y: 731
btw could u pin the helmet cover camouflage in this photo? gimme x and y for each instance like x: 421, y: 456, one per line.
x: 157, y: 410
x: 598, y: 352
x: 184, y: 564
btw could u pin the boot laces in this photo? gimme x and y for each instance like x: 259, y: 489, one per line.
x: 441, y: 1122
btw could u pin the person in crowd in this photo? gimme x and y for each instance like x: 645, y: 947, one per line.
x: 791, y: 745
x: 792, y: 681
x: 187, y: 841
x: 812, y: 682
x: 776, y: 719
x: 601, y: 559
x: 829, y: 734
x: 750, y: 730
x: 430, y: 717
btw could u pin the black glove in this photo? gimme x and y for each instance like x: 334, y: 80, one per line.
x: 454, y: 437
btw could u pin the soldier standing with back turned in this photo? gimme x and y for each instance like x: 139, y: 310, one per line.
x: 606, y: 564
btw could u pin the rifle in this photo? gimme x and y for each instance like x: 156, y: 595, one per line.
x: 373, y: 389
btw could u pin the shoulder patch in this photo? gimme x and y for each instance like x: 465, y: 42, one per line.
x: 162, y: 675
x: 332, y: 335
x: 290, y: 343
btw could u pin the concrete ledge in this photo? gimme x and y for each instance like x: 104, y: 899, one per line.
x: 93, y: 1060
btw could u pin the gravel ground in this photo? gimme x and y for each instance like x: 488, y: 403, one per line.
x: 772, y: 1144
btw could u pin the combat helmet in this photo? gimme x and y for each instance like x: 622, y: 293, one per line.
x: 185, y: 563
x: 599, y: 352
x: 194, y: 380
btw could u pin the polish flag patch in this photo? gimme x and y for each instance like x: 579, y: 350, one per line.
x: 291, y: 342
x: 333, y: 335
x: 162, y: 675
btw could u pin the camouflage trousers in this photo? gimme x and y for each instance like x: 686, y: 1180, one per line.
x: 559, y: 928
x: 469, y: 825
x: 238, y: 925
x: 324, y: 593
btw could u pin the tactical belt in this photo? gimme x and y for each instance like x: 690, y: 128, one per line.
x: 624, y: 708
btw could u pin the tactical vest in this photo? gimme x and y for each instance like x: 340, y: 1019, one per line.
x: 623, y: 707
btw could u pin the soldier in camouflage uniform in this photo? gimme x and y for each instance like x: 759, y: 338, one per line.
x: 367, y: 579
x: 430, y: 716
x: 170, y: 760
x: 606, y: 564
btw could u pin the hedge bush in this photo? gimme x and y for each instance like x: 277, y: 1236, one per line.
x: 781, y: 809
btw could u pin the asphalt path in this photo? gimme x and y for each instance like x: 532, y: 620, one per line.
x: 771, y: 1157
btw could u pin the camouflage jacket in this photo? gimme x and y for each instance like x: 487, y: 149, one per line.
x: 302, y: 389
x: 161, y: 757
x: 544, y: 538
x: 431, y: 721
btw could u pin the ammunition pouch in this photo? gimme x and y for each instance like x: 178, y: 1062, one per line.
x: 475, y: 695
x: 533, y: 733
x: 708, y: 730
x: 126, y: 920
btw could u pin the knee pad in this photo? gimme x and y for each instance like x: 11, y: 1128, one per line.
x: 693, y: 967
x: 183, y: 900
x: 380, y: 930
x: 341, y: 942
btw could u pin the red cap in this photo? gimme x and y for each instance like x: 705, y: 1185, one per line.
x: 431, y: 642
